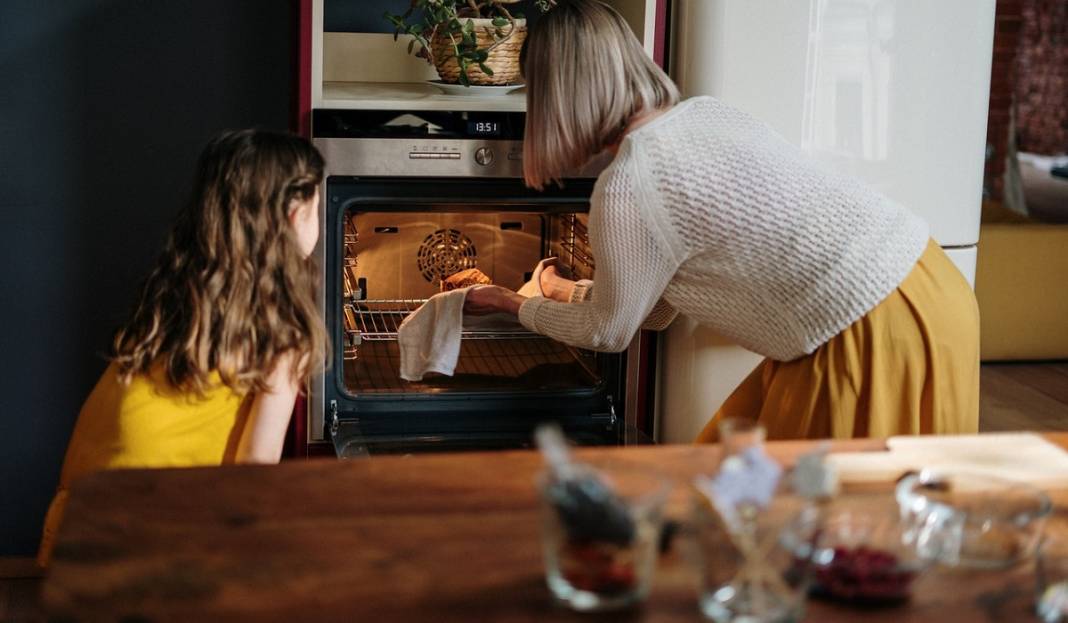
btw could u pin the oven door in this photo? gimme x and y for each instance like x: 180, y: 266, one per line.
x: 390, y: 242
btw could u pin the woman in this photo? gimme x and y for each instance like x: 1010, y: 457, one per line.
x: 867, y: 327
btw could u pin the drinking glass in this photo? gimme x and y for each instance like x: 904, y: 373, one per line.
x: 593, y: 569
x: 736, y: 435
x: 1051, y: 579
x: 753, y: 562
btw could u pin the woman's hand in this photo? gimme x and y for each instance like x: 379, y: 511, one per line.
x: 554, y: 285
x: 482, y: 300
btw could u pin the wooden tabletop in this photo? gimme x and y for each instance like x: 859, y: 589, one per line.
x: 435, y: 537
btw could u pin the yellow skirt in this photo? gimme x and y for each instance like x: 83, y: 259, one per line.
x: 910, y: 366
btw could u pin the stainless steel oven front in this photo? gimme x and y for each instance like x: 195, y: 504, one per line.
x: 409, y: 198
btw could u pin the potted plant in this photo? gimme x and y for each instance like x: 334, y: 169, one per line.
x: 467, y: 41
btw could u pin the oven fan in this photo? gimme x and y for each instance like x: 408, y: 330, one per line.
x: 445, y: 252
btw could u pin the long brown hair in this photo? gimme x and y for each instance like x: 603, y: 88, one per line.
x: 586, y: 76
x: 231, y: 291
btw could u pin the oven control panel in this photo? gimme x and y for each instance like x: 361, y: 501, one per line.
x: 427, y: 155
x: 393, y: 158
x: 420, y: 143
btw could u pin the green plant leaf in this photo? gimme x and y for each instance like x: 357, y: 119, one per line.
x: 500, y: 22
x: 485, y: 69
x: 411, y: 46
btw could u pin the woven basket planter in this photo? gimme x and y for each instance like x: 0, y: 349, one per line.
x: 503, y: 60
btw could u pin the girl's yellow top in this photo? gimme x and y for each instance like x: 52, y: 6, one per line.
x: 146, y: 423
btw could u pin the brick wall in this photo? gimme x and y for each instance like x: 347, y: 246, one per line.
x: 1030, y: 64
x: 1007, y: 25
x: 1042, y: 77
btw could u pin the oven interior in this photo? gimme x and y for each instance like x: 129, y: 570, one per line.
x: 393, y: 262
x: 391, y: 257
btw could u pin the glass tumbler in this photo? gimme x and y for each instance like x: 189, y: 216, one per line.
x: 761, y: 574
x: 736, y: 435
x: 589, y: 566
x: 1051, y: 579
x: 755, y: 565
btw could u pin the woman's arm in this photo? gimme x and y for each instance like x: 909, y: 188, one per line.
x: 268, y: 418
x: 635, y: 262
x: 562, y: 289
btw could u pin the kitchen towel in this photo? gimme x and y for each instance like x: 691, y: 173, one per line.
x: 429, y: 338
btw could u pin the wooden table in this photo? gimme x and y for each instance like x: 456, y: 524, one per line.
x: 437, y: 537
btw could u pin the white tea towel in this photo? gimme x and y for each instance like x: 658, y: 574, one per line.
x: 533, y: 287
x: 429, y: 337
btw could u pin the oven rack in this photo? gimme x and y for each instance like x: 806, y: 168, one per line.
x: 573, y: 246
x: 377, y: 320
x: 483, y: 365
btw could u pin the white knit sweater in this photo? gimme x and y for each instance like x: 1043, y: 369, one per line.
x: 710, y: 212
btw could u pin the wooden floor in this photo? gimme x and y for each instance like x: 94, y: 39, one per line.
x: 1023, y: 396
x: 1013, y: 396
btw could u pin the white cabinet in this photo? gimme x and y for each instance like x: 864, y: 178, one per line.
x: 892, y: 91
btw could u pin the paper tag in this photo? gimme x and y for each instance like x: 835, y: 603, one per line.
x: 746, y: 479
x: 813, y: 477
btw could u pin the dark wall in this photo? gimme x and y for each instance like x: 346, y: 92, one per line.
x: 362, y: 16
x: 104, y: 105
x: 367, y: 15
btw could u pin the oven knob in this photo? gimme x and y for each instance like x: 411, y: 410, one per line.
x: 484, y: 156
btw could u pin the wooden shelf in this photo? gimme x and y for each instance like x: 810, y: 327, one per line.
x: 413, y: 96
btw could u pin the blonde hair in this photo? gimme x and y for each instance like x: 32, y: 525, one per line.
x: 586, y: 76
x: 232, y: 291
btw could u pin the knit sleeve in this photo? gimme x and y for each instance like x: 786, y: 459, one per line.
x: 662, y: 315
x: 635, y: 262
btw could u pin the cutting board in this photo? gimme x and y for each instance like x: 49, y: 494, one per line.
x: 1023, y: 457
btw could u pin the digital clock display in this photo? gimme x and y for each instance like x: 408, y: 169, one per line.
x: 484, y: 128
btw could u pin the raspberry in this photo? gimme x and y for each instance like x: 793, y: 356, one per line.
x: 598, y: 567
x: 863, y: 574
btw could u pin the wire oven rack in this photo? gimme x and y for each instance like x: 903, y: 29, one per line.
x: 495, y: 355
x: 572, y: 245
x: 378, y: 320
x: 501, y: 365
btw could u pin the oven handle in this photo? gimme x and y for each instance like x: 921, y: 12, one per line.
x: 609, y: 418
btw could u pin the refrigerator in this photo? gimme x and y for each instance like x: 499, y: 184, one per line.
x: 894, y: 92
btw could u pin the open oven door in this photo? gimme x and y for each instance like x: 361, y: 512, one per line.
x: 390, y: 242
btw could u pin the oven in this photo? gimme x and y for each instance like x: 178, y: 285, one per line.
x: 409, y: 198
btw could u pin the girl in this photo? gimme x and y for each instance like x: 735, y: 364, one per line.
x: 207, y: 368
x: 867, y: 328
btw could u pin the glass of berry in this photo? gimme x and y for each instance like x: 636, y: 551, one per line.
x: 869, y: 557
x: 601, y: 526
